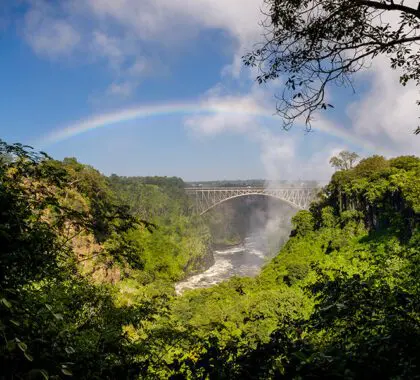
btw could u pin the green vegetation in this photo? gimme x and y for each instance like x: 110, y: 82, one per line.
x: 88, y: 265
x: 340, y: 300
x: 181, y: 242
x: 344, y: 160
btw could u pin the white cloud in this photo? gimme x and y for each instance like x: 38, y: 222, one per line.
x: 278, y: 155
x: 129, y: 79
x: 387, y: 115
x: 317, y: 166
x: 153, y: 19
x: 233, y: 113
x: 123, y: 33
x: 118, y: 30
x: 282, y: 158
x: 120, y: 89
x: 47, y: 34
x: 108, y: 47
x: 280, y: 151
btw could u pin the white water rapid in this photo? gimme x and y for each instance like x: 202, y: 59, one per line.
x: 242, y: 260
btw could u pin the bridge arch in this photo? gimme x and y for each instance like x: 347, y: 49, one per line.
x: 248, y: 194
x: 208, y: 198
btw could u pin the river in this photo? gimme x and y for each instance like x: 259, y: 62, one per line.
x: 242, y: 260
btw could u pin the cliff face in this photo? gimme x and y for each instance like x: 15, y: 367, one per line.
x: 200, y: 263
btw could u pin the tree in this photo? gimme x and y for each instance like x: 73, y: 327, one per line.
x: 344, y: 160
x: 303, y: 223
x: 405, y: 162
x: 53, y: 320
x: 316, y: 43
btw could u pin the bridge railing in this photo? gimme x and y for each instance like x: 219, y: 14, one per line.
x: 208, y: 197
x: 248, y: 188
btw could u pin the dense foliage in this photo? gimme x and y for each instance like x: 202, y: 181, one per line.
x: 54, y: 322
x: 341, y: 300
x: 66, y: 236
x: 88, y: 265
x: 180, y: 243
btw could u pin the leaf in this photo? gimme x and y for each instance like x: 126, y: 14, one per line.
x: 6, y: 303
x: 22, y: 346
x: 70, y: 350
x: 66, y: 372
x: 327, y: 308
x: 16, y: 323
x: 28, y: 356
x: 58, y: 316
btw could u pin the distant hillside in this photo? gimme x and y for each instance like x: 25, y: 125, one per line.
x: 253, y: 183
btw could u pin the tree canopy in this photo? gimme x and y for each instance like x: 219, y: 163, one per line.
x: 317, y: 43
x: 344, y: 160
x: 87, y: 292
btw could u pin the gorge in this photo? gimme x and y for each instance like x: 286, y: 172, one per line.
x: 247, y: 232
x: 115, y: 277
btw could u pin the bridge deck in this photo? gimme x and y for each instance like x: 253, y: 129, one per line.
x: 208, y: 197
x: 247, y: 188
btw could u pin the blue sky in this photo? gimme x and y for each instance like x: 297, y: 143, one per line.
x: 66, y: 62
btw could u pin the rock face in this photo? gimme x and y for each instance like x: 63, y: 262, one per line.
x: 201, y: 263
x: 207, y: 260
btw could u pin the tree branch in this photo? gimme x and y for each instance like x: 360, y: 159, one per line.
x: 390, y: 7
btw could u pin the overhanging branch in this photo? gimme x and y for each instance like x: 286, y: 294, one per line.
x: 389, y: 7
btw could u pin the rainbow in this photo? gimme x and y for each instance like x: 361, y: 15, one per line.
x: 193, y: 108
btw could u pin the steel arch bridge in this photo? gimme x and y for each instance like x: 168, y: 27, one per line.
x: 207, y: 198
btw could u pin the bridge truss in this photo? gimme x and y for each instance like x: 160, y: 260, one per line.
x: 207, y: 198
